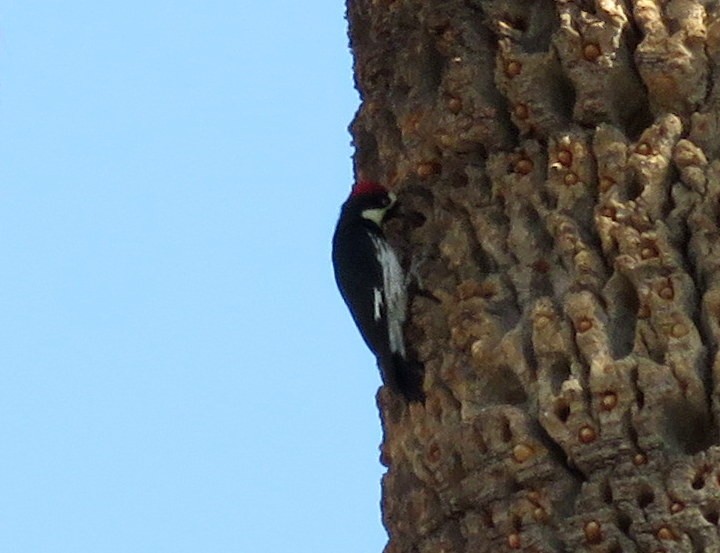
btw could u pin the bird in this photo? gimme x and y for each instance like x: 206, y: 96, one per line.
x: 374, y: 286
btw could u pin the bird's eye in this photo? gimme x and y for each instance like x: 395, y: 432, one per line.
x: 385, y: 201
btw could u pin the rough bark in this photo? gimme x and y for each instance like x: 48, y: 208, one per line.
x: 558, y: 174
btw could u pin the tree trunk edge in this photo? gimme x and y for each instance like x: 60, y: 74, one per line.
x: 556, y: 165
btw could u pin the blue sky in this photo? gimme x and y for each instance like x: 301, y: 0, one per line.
x: 177, y: 370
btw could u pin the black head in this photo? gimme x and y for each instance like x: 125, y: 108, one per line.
x: 370, y: 200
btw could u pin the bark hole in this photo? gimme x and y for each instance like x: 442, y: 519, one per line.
x: 623, y: 305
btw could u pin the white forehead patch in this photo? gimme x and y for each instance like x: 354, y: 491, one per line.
x: 377, y: 214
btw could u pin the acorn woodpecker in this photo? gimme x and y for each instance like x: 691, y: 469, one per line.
x: 373, y: 285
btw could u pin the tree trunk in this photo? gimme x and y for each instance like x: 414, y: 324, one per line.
x: 557, y: 170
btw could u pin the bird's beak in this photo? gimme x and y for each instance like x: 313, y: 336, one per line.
x: 392, y: 209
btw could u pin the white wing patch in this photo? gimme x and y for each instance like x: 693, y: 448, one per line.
x: 378, y: 303
x: 395, y: 300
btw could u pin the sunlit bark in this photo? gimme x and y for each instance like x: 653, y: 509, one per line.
x: 557, y: 169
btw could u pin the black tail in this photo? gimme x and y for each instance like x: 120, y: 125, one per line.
x: 404, y: 376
